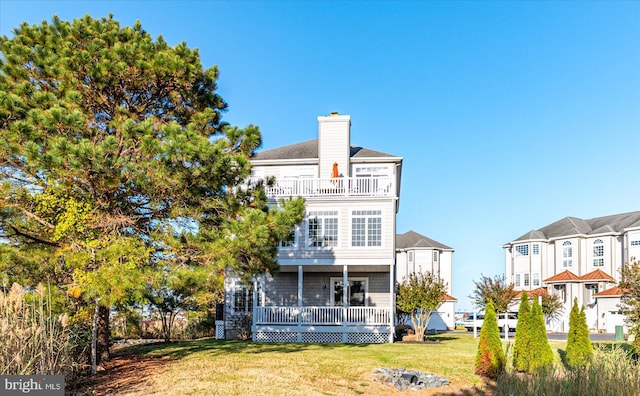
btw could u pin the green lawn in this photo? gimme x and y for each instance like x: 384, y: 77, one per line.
x: 208, y: 367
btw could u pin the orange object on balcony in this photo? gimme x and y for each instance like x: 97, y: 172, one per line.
x: 335, y: 173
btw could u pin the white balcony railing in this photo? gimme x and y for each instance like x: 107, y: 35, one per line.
x: 375, y: 316
x: 340, y: 186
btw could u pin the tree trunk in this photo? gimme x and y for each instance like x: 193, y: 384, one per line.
x: 94, y: 339
x: 104, y: 335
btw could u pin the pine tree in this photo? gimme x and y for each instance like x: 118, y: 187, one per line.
x: 572, y: 352
x: 541, y: 355
x: 490, y: 359
x: 579, y: 348
x: 522, y: 348
x: 115, y: 163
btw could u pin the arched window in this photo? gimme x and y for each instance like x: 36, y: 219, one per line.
x: 567, y: 254
x: 598, y: 253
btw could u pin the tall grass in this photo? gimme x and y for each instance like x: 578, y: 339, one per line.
x: 34, y: 339
x: 611, y: 372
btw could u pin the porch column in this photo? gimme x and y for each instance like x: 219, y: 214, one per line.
x: 345, y: 300
x: 254, y: 313
x: 300, y: 272
x: 392, y: 299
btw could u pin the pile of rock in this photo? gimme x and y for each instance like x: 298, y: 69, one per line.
x: 403, y: 379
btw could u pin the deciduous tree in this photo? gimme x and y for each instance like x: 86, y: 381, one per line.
x: 494, y: 289
x: 420, y: 295
x: 630, y: 285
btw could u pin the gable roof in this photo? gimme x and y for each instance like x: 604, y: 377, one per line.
x: 309, y: 149
x: 598, y: 275
x: 412, y: 239
x: 574, y: 226
x: 449, y: 298
x: 564, y: 276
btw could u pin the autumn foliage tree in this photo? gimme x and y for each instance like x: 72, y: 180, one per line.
x: 418, y: 296
x: 630, y: 285
x: 495, y: 289
x: 115, y: 162
x: 490, y: 358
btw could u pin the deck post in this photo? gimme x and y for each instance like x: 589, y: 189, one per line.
x: 300, y: 274
x: 345, y: 300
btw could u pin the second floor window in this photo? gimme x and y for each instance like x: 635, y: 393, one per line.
x: 517, y: 280
x: 567, y: 254
x: 526, y: 279
x: 536, y: 249
x: 536, y: 279
x: 366, y: 228
x: 410, y: 254
x: 290, y: 242
x: 435, y: 256
x: 598, y: 253
x: 323, y: 228
x: 522, y: 250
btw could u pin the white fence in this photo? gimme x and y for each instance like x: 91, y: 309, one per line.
x: 340, y: 186
x: 374, y: 316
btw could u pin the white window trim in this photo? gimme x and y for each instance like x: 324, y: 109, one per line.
x: 333, y: 281
x: 237, y: 284
x: 517, y: 280
x: 296, y: 239
x: 366, y: 228
x: 524, y: 247
x: 535, y: 279
x: 322, y: 216
x: 567, y: 254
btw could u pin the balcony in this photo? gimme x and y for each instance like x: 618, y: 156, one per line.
x: 332, y: 187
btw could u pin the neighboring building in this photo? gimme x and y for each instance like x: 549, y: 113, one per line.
x: 336, y: 278
x: 416, y: 253
x: 576, y: 258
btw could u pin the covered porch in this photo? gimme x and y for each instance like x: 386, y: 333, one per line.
x: 311, y: 304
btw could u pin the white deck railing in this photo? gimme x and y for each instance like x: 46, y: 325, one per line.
x: 340, y: 186
x: 376, y: 316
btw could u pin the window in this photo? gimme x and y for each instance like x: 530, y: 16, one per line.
x: 567, y: 254
x: 517, y: 280
x: 370, y: 179
x: 323, y: 228
x: 242, y: 298
x: 522, y: 250
x: 290, y: 241
x: 356, y: 292
x: 536, y: 249
x: 526, y: 279
x: 536, y: 279
x: 366, y: 228
x: 598, y: 253
x: 410, y: 256
x: 435, y: 256
x: 635, y: 243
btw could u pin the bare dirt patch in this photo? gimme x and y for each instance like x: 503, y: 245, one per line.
x: 124, y: 374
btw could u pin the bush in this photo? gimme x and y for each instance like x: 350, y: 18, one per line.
x: 34, y: 339
x: 490, y: 359
x: 579, y: 348
x: 540, y: 353
x: 522, y: 347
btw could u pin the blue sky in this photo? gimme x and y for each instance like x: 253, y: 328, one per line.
x: 509, y: 115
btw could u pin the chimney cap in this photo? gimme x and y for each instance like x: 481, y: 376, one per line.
x: 334, y: 113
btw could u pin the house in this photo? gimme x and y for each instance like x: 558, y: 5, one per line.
x: 416, y: 253
x: 577, y: 258
x: 336, y: 278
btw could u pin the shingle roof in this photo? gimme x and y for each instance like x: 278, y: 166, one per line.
x: 564, y: 276
x: 597, y: 275
x: 412, y: 239
x: 575, y: 226
x: 309, y: 149
x: 615, y: 291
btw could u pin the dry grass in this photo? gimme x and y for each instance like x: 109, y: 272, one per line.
x: 34, y: 340
x: 210, y: 367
